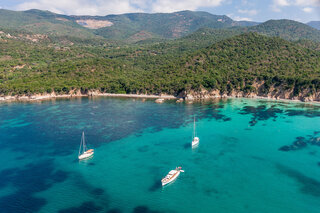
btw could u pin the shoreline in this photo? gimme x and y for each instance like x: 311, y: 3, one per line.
x: 34, y: 98
x: 39, y: 98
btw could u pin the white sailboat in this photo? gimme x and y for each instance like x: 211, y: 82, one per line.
x: 83, y: 151
x: 171, y: 176
x: 195, y: 139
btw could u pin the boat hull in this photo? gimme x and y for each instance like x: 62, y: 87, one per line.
x: 174, y: 177
x: 195, y: 142
x: 85, y: 155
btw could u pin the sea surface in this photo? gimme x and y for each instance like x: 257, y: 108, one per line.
x: 254, y: 156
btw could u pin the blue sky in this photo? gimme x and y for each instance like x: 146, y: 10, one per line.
x: 258, y: 10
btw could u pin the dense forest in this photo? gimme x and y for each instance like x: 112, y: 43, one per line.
x: 226, y: 59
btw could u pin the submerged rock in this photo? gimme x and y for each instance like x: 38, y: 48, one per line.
x: 179, y: 100
x: 301, y: 142
x: 159, y: 100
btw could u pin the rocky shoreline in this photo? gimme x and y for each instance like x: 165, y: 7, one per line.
x: 40, y: 97
x: 189, y: 97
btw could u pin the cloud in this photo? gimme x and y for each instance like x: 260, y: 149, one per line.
x: 249, y: 12
x: 177, y: 5
x: 281, y: 3
x: 104, y: 7
x: 238, y: 18
x: 277, y: 4
x: 81, y: 7
x: 315, y: 3
x: 307, y: 9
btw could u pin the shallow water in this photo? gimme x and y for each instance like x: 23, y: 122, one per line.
x: 253, y: 156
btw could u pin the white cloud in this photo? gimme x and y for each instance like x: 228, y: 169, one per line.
x: 177, y: 5
x: 81, y: 7
x: 104, y: 7
x: 248, y: 12
x: 277, y: 4
x: 307, y: 9
x: 238, y: 18
x: 281, y: 3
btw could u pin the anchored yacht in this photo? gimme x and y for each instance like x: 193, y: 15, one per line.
x: 171, y: 176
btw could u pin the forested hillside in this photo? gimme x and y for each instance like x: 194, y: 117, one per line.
x: 42, y: 52
x: 235, y: 63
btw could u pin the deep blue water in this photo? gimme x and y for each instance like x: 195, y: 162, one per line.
x: 253, y: 156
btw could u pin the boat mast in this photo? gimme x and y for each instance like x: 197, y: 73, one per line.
x: 194, y: 126
x: 80, y: 146
x: 84, y: 143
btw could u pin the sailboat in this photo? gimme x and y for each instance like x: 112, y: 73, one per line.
x: 195, y: 139
x: 83, y: 151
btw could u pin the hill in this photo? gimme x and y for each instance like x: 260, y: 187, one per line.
x: 164, y: 25
x: 243, y: 64
x: 314, y: 24
x: 259, y: 64
x: 43, y: 22
x: 131, y: 27
x: 137, y: 27
x: 287, y: 29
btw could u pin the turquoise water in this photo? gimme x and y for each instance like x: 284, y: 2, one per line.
x: 253, y: 156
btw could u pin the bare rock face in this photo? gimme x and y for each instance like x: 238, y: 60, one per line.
x: 189, y: 97
x: 94, y: 24
x: 214, y: 94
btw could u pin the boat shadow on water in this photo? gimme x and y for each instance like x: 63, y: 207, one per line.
x: 155, y: 186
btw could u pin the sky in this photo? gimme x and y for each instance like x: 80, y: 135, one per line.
x: 248, y: 10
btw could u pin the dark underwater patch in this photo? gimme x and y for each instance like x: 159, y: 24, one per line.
x: 21, y: 203
x: 143, y: 148
x: 143, y: 209
x: 306, y: 113
x: 210, y: 111
x: 85, y: 207
x: 97, y: 191
x: 257, y: 158
x: 302, y: 142
x: 210, y: 191
x: 114, y: 211
x: 226, y: 119
x: 155, y: 186
x: 187, y: 146
x: 29, y: 180
x: 260, y: 113
x: 313, y: 153
x: 308, y: 185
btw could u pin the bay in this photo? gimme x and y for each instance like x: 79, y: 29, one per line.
x: 253, y: 156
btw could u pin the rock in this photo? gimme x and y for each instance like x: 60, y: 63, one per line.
x: 189, y: 97
x: 179, y: 100
x: 159, y: 100
x: 285, y: 148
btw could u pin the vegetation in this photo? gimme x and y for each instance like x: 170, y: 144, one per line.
x: 42, y: 52
x: 136, y: 27
x: 235, y: 63
x: 287, y: 29
x: 314, y: 24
